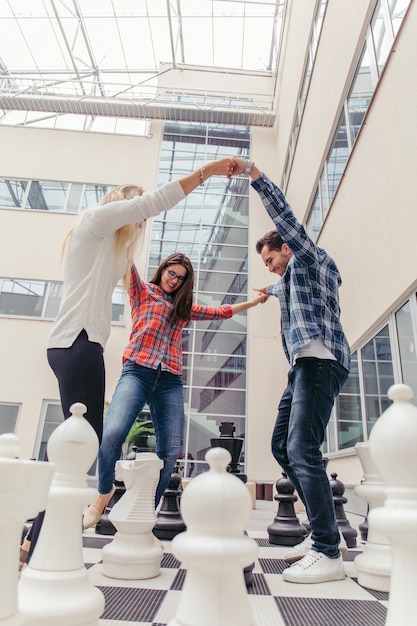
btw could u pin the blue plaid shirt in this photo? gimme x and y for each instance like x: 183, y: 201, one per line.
x: 308, y: 290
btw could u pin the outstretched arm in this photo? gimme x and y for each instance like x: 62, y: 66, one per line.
x: 222, y: 167
x: 260, y: 298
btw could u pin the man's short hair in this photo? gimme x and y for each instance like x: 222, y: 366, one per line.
x: 272, y: 239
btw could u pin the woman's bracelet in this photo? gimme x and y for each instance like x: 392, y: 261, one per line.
x: 202, y: 176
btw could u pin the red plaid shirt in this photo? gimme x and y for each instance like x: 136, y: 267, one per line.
x: 154, y: 340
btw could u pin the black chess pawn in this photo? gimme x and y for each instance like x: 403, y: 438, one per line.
x: 233, y: 445
x: 339, y: 500
x: 169, y: 522
x: 286, y: 529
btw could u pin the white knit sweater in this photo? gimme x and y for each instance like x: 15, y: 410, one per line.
x: 91, y: 270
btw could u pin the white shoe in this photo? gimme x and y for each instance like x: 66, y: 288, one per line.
x: 301, y: 549
x: 315, y: 567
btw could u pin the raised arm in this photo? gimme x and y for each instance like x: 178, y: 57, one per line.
x: 222, y: 167
x: 260, y: 298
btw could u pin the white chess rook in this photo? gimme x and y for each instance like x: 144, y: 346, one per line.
x: 133, y: 555
x: 55, y: 589
x: 216, y: 507
x: 393, y: 445
x: 24, y: 488
x: 373, y: 565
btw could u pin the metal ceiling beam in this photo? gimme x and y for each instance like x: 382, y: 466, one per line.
x: 149, y: 111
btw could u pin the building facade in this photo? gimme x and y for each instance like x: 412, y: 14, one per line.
x: 343, y: 150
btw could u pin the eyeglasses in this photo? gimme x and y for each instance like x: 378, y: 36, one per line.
x: 175, y: 276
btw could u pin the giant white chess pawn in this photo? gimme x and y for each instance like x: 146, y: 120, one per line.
x: 215, y: 506
x: 24, y: 488
x: 133, y: 553
x: 373, y: 565
x: 393, y: 445
x: 55, y: 588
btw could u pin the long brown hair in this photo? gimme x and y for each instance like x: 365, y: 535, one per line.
x: 127, y: 236
x: 183, y: 296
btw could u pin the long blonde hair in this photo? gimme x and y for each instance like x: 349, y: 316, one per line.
x: 126, y: 237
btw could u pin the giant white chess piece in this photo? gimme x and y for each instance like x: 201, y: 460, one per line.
x: 133, y: 554
x: 215, y: 506
x: 393, y: 445
x: 373, y: 565
x: 24, y: 488
x: 55, y: 589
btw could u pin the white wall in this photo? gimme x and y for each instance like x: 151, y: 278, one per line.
x: 30, y: 245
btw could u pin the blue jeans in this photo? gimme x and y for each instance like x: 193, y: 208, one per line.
x: 163, y: 392
x: 303, y: 414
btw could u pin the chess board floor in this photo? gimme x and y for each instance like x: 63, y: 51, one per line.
x: 273, y: 602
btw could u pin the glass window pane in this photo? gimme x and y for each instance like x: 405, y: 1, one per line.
x: 338, y: 156
x: 12, y: 192
x: 22, y: 297
x: 8, y: 417
x: 315, y: 220
x: 93, y: 194
x: 407, y: 346
x: 213, y: 370
x: 218, y: 401
x: 378, y: 375
x: 381, y: 35
x: 349, y: 408
x: 74, y: 197
x: 397, y: 9
x: 119, y: 299
x: 349, y: 434
x: 47, y: 196
x: 54, y: 299
x: 53, y: 418
x: 360, y: 95
x: 370, y: 378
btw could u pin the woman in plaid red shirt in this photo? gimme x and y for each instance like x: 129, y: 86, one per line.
x: 152, y: 369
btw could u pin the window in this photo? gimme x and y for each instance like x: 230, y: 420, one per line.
x: 8, y: 417
x: 404, y: 320
x: 312, y: 49
x: 210, y: 226
x: 41, y: 299
x: 61, y: 197
x: 360, y: 94
x: 387, y: 358
x: 53, y: 418
x: 379, y: 41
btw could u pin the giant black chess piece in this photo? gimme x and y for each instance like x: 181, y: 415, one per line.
x: 286, y: 529
x: 233, y: 445
x: 339, y: 500
x: 169, y: 521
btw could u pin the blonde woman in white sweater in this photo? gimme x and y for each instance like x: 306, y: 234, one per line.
x: 98, y: 253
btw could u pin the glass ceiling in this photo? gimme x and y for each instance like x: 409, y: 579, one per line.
x: 103, y: 57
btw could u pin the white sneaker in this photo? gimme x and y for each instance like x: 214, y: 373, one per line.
x: 315, y: 567
x: 301, y: 549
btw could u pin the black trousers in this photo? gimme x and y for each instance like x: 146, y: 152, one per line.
x: 81, y: 378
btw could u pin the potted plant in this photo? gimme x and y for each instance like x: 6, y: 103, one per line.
x: 139, y: 434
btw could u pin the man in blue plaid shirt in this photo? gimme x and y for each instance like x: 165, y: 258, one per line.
x: 319, y: 356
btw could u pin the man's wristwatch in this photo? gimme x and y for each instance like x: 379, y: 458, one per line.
x: 249, y: 167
